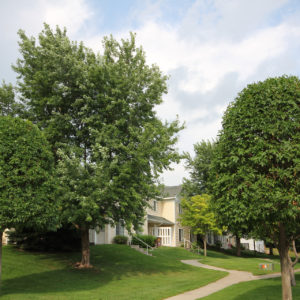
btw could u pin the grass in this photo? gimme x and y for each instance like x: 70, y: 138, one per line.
x: 267, y: 289
x: 249, y: 264
x: 119, y: 273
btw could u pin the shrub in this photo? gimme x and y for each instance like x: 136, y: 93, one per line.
x: 66, y: 238
x: 120, y: 239
x: 148, y: 239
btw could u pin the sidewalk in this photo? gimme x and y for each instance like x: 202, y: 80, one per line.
x: 232, y: 278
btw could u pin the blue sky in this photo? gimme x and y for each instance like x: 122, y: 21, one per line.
x: 211, y: 49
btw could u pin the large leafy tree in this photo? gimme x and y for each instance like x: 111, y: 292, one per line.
x: 98, y: 113
x: 198, y: 215
x: 199, y: 167
x: 257, y: 164
x: 26, y: 177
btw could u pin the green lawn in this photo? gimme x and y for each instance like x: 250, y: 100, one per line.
x: 119, y: 273
x: 268, y: 289
x: 249, y: 264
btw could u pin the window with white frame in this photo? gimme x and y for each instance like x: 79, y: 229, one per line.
x: 120, y: 228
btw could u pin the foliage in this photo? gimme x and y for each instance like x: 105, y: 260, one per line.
x: 198, y: 215
x: 120, y: 239
x: 64, y: 239
x: 148, y: 239
x: 199, y: 167
x: 256, y: 165
x: 98, y: 113
x: 26, y: 177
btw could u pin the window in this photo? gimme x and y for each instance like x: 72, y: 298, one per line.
x: 180, y: 235
x: 120, y: 228
x: 154, y: 205
x: 180, y: 208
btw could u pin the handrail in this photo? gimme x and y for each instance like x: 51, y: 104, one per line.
x: 148, y: 246
x: 191, y: 244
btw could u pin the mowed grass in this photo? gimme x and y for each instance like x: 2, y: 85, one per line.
x: 248, y: 264
x: 119, y: 273
x: 266, y: 289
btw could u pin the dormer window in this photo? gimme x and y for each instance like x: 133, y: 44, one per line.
x: 154, y: 205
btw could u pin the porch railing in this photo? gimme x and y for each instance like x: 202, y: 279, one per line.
x: 147, y: 246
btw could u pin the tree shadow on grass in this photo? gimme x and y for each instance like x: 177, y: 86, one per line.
x: 108, y: 266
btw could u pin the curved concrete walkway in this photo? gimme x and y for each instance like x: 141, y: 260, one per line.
x: 232, y: 278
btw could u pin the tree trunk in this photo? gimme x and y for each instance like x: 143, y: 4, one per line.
x: 271, y: 250
x: 204, y: 245
x: 285, y: 264
x: 85, y: 247
x: 293, y: 263
x: 292, y: 274
x: 238, y: 245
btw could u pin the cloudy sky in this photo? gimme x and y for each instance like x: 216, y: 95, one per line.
x: 211, y: 49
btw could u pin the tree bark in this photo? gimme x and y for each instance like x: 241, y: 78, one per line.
x: 285, y: 264
x: 292, y: 264
x: 204, y: 245
x: 238, y: 245
x: 85, y: 247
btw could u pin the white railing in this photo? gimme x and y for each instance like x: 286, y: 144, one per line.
x: 187, y: 244
x: 148, y: 246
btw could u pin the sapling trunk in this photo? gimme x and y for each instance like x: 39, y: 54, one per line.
x: 238, y: 246
x: 204, y: 245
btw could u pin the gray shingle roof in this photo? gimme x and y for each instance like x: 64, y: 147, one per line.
x: 159, y: 220
x: 171, y: 191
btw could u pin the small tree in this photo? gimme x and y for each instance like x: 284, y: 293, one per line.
x: 256, y: 166
x: 26, y: 182
x: 198, y: 215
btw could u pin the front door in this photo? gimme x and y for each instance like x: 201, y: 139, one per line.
x: 165, y: 233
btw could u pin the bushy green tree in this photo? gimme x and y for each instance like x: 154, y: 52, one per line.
x: 198, y: 215
x: 199, y: 167
x: 98, y: 113
x: 257, y: 164
x: 26, y: 177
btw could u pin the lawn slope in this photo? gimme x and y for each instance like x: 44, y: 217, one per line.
x: 119, y: 273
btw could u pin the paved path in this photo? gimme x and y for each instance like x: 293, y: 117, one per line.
x: 232, y: 278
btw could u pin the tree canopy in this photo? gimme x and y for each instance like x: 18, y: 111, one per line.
x: 198, y: 215
x: 199, y: 167
x: 256, y: 164
x: 26, y: 177
x: 97, y: 111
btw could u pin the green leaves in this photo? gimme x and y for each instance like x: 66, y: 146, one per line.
x: 27, y: 185
x: 256, y: 162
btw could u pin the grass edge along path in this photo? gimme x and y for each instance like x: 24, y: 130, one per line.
x: 266, y: 289
x: 120, y: 273
x: 233, y: 278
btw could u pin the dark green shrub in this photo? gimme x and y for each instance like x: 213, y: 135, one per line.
x: 120, y: 239
x: 148, y: 239
x: 66, y: 238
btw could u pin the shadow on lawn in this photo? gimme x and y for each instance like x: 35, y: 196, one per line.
x: 107, y: 267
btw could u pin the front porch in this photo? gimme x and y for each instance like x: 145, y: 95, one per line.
x: 163, y: 228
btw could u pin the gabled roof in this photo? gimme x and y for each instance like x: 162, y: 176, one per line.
x: 159, y: 220
x: 171, y: 191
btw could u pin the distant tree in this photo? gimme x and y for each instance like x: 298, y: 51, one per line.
x: 26, y: 177
x: 98, y: 113
x: 8, y: 105
x: 198, y: 215
x: 199, y: 167
x: 256, y: 165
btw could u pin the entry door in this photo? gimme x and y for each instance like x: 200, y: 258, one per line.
x: 165, y: 233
